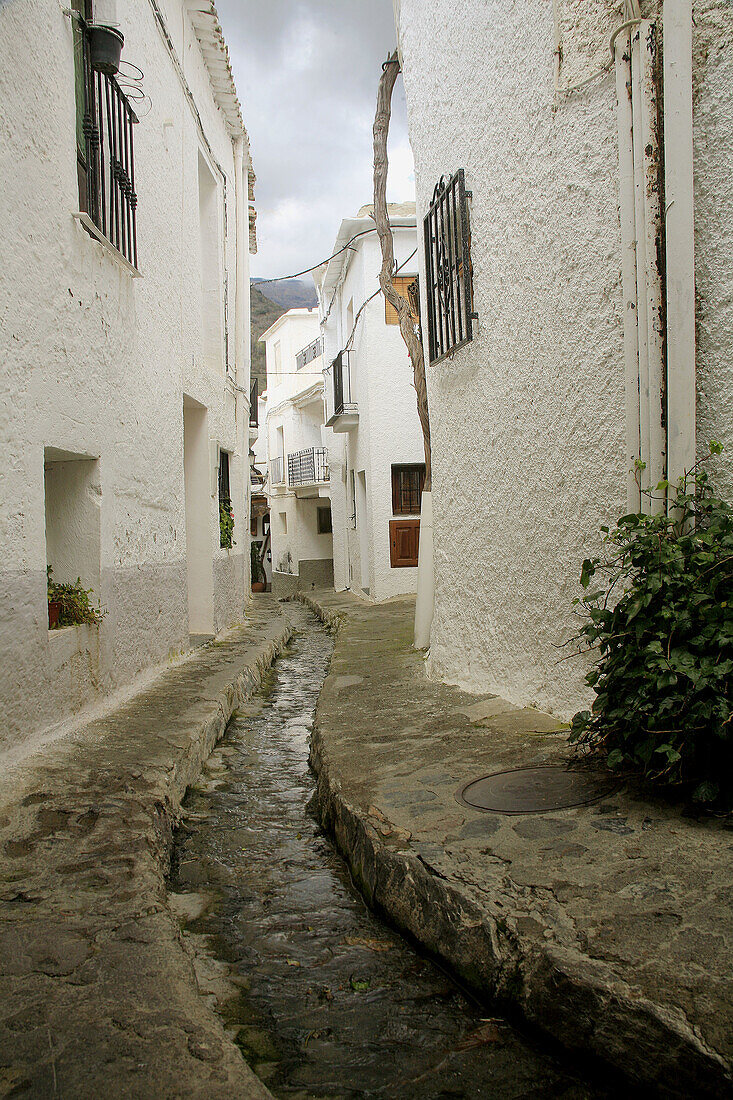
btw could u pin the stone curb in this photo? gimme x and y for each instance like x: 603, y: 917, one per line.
x: 573, y: 998
x: 97, y: 987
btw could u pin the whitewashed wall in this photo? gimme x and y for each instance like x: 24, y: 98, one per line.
x: 96, y: 362
x: 301, y: 422
x: 528, y: 420
x: 388, y: 431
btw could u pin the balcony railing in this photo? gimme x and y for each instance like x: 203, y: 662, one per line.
x: 337, y: 387
x: 276, y: 471
x: 307, y: 355
x: 253, y: 410
x: 107, y: 173
x: 308, y: 467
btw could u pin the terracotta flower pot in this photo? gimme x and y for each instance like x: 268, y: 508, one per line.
x: 258, y: 586
x: 54, y: 610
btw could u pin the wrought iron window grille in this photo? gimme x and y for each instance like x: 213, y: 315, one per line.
x: 106, y: 161
x: 448, y: 275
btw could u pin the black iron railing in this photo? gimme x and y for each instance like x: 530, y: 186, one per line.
x: 307, y: 355
x: 253, y: 410
x: 448, y: 268
x: 276, y: 471
x: 308, y: 467
x: 110, y: 198
x: 342, y: 384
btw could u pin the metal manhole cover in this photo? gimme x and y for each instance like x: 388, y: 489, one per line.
x: 535, y: 790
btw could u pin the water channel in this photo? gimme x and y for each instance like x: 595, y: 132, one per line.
x: 330, y: 1002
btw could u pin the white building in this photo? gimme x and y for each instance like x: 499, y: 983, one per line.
x: 581, y: 356
x: 299, y: 486
x: 375, y: 442
x: 124, y: 345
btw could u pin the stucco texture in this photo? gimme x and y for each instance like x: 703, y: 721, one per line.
x: 96, y: 362
x: 528, y: 419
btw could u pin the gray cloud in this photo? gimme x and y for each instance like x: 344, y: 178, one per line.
x: 307, y: 73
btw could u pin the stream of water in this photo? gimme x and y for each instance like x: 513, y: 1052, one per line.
x: 331, y: 1002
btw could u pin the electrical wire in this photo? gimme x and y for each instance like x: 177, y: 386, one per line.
x: 282, y: 278
x: 363, y: 306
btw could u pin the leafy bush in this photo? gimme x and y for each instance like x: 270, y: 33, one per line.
x: 226, y: 524
x: 662, y: 684
x: 74, y: 600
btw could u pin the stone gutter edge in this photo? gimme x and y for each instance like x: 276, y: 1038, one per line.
x: 576, y: 1000
x: 187, y: 768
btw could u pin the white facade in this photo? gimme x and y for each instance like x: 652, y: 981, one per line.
x: 299, y: 488
x: 120, y: 391
x: 379, y: 428
x: 529, y: 431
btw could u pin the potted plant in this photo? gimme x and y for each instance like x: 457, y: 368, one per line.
x: 105, y: 47
x: 54, y: 604
x: 259, y: 580
x: 69, y: 604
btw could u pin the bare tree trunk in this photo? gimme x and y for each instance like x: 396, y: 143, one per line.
x: 390, y: 71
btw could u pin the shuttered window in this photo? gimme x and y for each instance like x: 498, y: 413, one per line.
x: 401, y: 284
x: 404, y: 540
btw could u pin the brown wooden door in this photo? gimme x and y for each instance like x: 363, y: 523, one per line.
x: 404, y: 540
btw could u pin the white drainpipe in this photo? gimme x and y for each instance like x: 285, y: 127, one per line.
x: 680, y: 222
x: 641, y: 228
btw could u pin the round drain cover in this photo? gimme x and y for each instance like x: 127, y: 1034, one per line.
x: 535, y: 790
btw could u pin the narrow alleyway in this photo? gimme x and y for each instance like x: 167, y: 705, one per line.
x: 325, y: 999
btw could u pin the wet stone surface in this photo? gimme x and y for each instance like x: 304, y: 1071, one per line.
x: 322, y: 997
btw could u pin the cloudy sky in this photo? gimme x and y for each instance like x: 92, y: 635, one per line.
x: 307, y: 74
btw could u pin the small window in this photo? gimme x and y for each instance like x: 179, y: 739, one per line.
x: 402, y: 284
x: 283, y: 522
x: 448, y: 275
x: 324, y: 521
x: 352, y: 497
x: 225, y: 503
x: 407, y: 487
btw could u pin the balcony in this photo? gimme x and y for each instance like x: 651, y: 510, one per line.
x: 308, y: 354
x: 342, y: 414
x: 308, y: 471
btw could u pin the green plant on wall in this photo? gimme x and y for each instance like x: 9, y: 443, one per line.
x: 662, y: 622
x: 74, y: 603
x: 226, y: 523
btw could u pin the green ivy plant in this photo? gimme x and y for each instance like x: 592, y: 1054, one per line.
x: 226, y: 523
x: 258, y: 573
x: 75, y: 605
x: 662, y: 622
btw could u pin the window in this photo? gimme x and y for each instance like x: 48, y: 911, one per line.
x: 225, y: 503
x: 448, y: 268
x: 104, y: 144
x: 407, y: 487
x: 402, y: 284
x: 324, y: 521
x: 283, y: 523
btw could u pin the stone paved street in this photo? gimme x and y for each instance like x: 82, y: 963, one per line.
x: 609, y: 925
x: 97, y: 995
